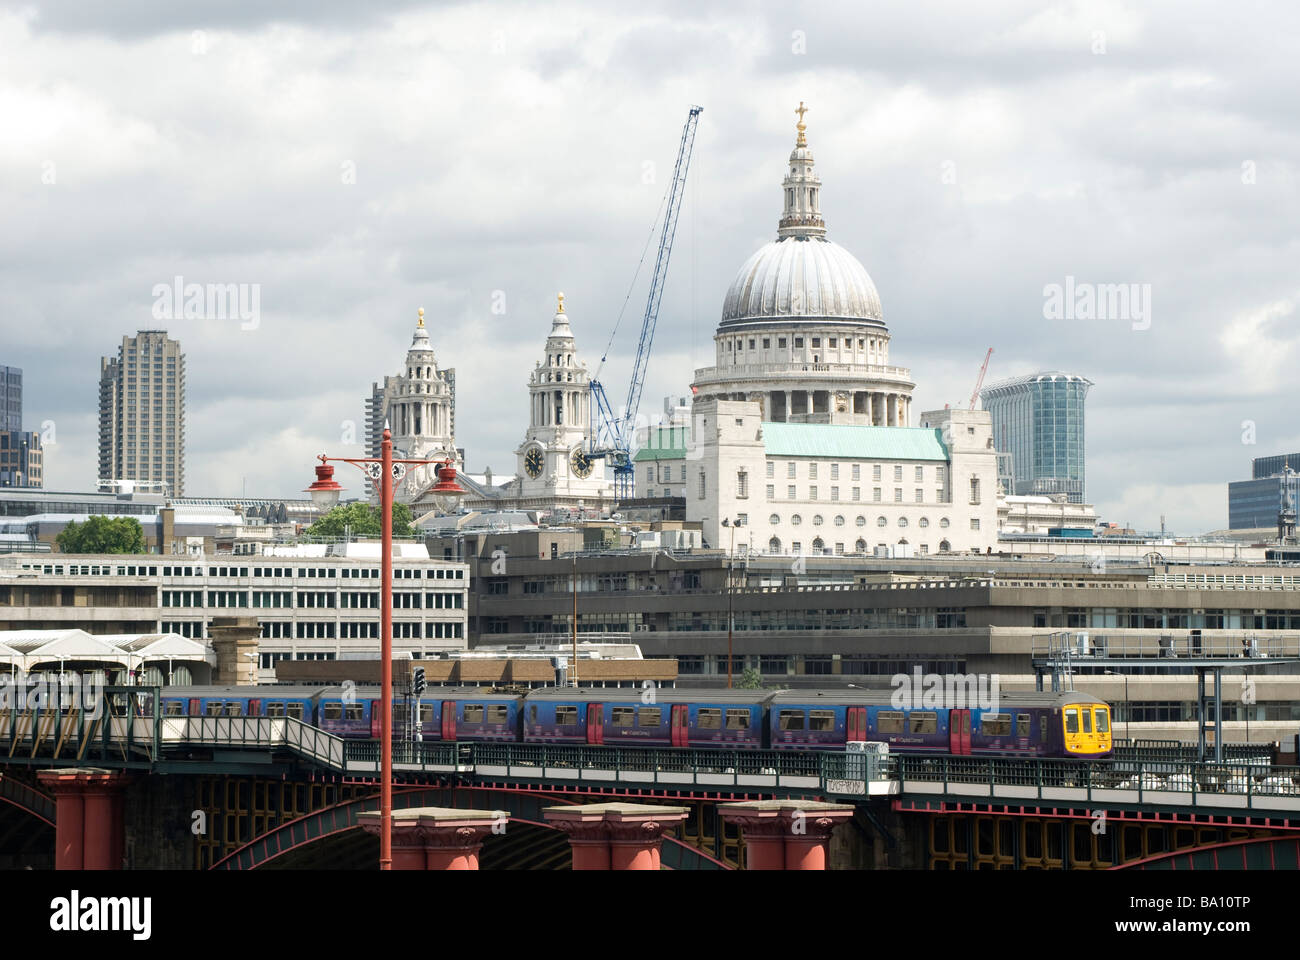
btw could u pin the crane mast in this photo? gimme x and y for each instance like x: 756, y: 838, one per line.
x: 612, y: 435
x: 975, y: 394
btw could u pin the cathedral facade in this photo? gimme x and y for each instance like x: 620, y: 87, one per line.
x: 801, y: 436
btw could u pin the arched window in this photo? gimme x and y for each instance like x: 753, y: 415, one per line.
x: 818, y: 546
x: 796, y: 520
x: 774, y: 545
x: 944, y: 546
x: 839, y: 521
x: 774, y: 519
x: 881, y: 521
x: 902, y: 521
x: 924, y: 521
x: 861, y: 521
x: 860, y: 546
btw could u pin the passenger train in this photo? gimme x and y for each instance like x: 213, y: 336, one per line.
x: 1071, y: 724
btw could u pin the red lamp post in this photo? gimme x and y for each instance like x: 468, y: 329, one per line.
x: 384, y: 473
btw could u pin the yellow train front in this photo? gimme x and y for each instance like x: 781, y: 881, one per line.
x: 1084, y: 726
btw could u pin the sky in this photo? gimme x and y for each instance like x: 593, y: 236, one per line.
x: 350, y: 163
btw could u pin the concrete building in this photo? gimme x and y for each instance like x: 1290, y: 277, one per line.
x: 313, y: 602
x: 835, y: 620
x: 1038, y: 427
x: 21, y: 457
x: 142, y: 411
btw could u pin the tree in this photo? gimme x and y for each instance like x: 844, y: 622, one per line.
x: 361, y: 520
x: 102, y: 535
x: 750, y: 679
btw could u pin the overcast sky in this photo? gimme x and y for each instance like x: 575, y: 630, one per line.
x: 360, y: 160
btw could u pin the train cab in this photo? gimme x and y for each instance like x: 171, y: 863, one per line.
x: 1085, y: 727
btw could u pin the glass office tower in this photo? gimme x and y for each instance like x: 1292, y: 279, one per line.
x: 1038, y: 429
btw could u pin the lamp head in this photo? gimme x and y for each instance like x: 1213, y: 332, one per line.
x: 325, y: 490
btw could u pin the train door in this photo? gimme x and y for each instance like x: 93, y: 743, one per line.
x: 448, y: 728
x: 376, y: 720
x: 680, y: 732
x: 194, y: 707
x: 959, y: 731
x: 855, y: 727
x: 255, y: 707
x: 595, y: 723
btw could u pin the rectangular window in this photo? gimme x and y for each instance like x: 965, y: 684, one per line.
x: 898, y: 494
x: 473, y: 713
x: 771, y: 491
x: 920, y: 474
x: 857, y: 471
x: 974, y: 490
x: 1071, y: 720
x: 737, y: 719
x: 923, y: 722
x: 1022, y: 725
x: 702, y: 485
x: 812, y: 471
x: 566, y: 716
x: 857, y: 493
x: 875, y: 495
x: 624, y: 716
x: 771, y: 470
x: 498, y: 713
x: 790, y: 492
x: 996, y: 724
x: 889, y: 721
x: 333, y: 711
x: 790, y: 720
x: 875, y: 471
x: 898, y: 473
x: 742, y: 485
x: 835, y: 471
x: 812, y: 493
x: 835, y: 493
x: 974, y: 524
x: 920, y: 495
x: 709, y: 718
x: 651, y: 716
x: 789, y: 470
x: 822, y: 720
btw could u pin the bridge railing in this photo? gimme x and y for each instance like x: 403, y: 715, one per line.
x: 1105, y: 780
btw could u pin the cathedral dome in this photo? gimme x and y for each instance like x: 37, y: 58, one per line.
x: 805, y: 278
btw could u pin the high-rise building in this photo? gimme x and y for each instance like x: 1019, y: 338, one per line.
x: 142, y: 411
x: 1255, y: 504
x: 1038, y: 425
x: 21, y: 458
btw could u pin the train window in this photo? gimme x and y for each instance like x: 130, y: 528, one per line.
x: 624, y: 716
x: 212, y: 708
x: 923, y: 722
x: 1087, y: 720
x: 473, y: 713
x: 498, y: 713
x: 889, y: 721
x: 1103, y: 721
x: 353, y: 711
x: 821, y: 720
x: 532, y: 713
x: 566, y: 716
x: 233, y: 709
x: 650, y: 717
x: 293, y: 710
x: 1072, y: 721
x: 737, y: 719
x: 1042, y: 728
x: 333, y: 711
x: 274, y: 709
x: 400, y: 715
x: 996, y: 724
x: 709, y: 718
x: 790, y: 720
x: 173, y: 708
x: 1022, y: 725
x: 426, y: 713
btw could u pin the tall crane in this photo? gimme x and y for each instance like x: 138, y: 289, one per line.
x: 611, y: 435
x: 975, y: 394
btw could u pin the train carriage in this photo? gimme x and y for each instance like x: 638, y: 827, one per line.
x: 674, y: 718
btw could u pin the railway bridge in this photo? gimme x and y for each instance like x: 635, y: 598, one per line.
x: 117, y: 789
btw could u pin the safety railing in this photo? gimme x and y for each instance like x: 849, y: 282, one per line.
x: 1228, y: 784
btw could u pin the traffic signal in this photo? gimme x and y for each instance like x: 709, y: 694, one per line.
x: 418, y: 684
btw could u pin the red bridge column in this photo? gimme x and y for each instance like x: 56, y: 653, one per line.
x: 438, y: 838
x: 615, y: 836
x: 88, y: 814
x: 786, y: 834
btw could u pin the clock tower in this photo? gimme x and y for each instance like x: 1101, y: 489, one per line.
x: 554, y: 469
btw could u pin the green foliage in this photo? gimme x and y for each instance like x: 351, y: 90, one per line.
x: 361, y: 520
x: 102, y: 535
x: 750, y: 679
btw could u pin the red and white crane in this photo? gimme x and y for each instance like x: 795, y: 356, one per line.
x: 975, y: 395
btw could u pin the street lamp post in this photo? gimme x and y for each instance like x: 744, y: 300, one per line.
x: 1128, y: 707
x: 384, y: 472
x: 731, y: 553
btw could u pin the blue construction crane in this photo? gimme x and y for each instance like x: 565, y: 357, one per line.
x: 611, y: 435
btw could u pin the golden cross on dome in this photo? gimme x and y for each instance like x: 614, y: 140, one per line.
x: 559, y: 306
x: 800, y: 126
x: 421, y: 312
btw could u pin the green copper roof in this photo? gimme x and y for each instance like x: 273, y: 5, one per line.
x: 852, y: 442
x: 663, y: 443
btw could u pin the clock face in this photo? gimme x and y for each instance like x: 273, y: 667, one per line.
x: 533, y: 463
x: 581, y: 464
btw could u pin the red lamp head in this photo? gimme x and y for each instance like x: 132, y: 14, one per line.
x: 446, y: 492
x: 325, y: 491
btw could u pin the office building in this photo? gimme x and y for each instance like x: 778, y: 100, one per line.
x: 1038, y: 425
x: 142, y: 412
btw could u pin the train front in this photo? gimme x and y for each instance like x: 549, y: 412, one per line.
x: 1086, y: 728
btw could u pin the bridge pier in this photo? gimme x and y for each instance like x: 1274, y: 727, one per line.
x: 786, y: 834
x: 88, y: 832
x: 437, y: 838
x: 615, y: 836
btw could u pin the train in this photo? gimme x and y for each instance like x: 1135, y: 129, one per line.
x: 1069, y: 724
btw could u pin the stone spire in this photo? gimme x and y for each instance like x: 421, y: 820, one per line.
x: 802, y: 217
